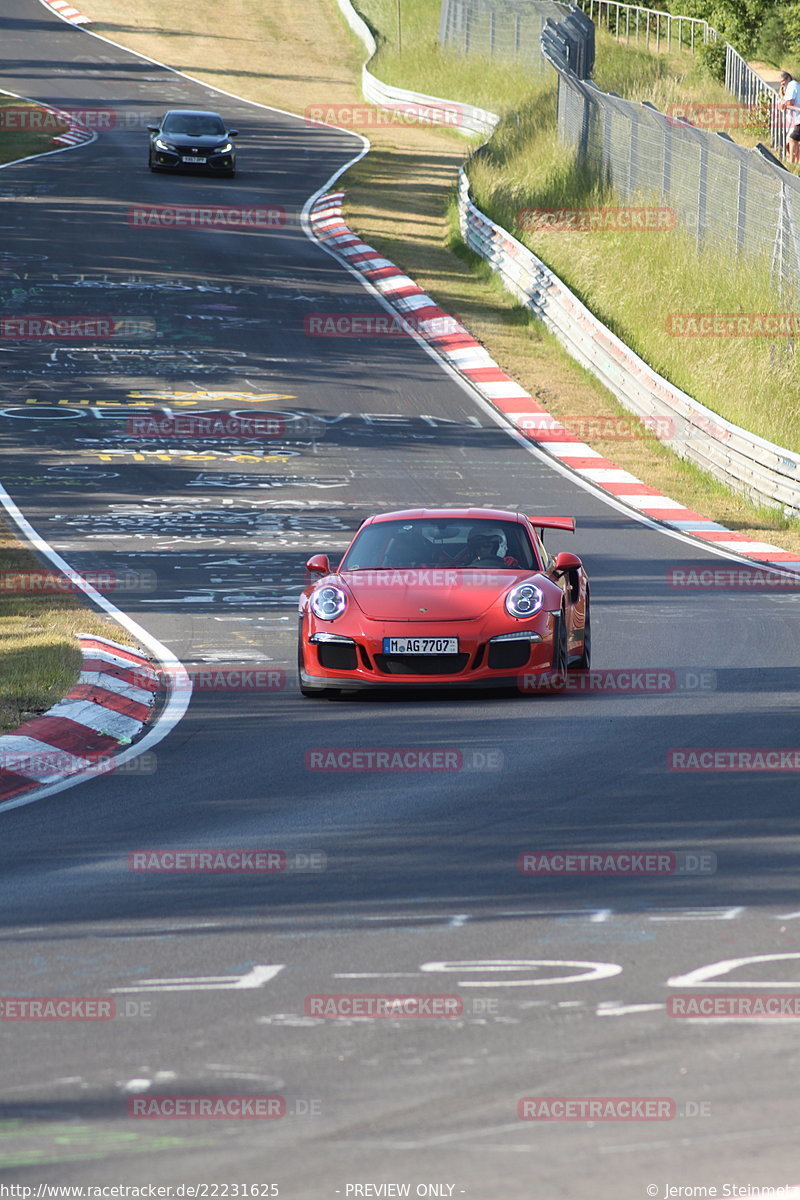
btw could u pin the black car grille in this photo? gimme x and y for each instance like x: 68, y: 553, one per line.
x: 337, y: 656
x: 421, y: 664
x: 504, y: 656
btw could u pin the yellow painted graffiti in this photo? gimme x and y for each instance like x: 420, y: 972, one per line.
x: 161, y: 456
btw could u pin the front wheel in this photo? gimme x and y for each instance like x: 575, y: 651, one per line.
x: 585, y: 660
x: 307, y: 692
x: 311, y: 693
x: 559, y: 667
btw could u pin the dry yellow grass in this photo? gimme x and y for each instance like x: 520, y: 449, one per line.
x: 39, y: 656
x: 18, y: 142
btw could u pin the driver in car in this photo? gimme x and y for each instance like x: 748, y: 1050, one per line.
x: 486, y: 547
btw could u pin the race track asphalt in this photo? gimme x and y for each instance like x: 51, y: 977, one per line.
x: 563, y: 981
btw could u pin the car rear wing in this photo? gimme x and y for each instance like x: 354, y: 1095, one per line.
x: 542, y: 523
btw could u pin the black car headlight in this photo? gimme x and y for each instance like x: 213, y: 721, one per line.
x: 524, y: 600
x: 160, y: 144
x: 327, y: 603
x: 226, y: 148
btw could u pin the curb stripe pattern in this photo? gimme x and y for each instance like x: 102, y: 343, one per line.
x: 528, y: 417
x: 66, y: 10
x: 107, y: 708
x: 77, y: 133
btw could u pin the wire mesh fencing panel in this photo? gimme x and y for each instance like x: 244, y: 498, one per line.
x: 738, y: 198
x: 507, y: 29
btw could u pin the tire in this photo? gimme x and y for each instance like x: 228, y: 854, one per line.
x: 312, y: 693
x: 307, y: 692
x: 559, y: 665
x: 585, y: 661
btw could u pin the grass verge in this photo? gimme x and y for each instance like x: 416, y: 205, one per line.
x: 399, y: 196
x: 17, y: 139
x: 39, y: 657
x: 642, y: 284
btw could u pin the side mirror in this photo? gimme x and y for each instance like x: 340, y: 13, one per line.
x: 319, y: 564
x: 233, y: 133
x: 565, y: 562
x: 153, y: 128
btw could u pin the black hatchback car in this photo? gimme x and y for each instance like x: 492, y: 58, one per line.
x: 188, y: 140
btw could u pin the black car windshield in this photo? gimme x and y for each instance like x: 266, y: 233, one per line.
x: 194, y: 124
x: 446, y: 543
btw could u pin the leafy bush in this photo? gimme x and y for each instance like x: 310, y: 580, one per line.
x: 791, y: 25
x: 738, y: 21
x: 712, y: 56
x: 771, y: 41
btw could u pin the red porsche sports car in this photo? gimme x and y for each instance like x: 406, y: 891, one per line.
x: 444, y: 597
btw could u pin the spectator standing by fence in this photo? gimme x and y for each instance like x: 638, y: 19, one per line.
x: 790, y: 103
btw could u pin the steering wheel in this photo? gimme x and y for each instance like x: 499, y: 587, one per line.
x: 492, y: 560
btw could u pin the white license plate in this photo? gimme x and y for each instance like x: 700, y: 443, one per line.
x: 420, y: 645
x: 192, y: 158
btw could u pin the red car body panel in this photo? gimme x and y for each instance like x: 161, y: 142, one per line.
x: 443, y: 602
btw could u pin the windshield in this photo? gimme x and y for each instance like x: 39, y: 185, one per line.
x: 194, y: 124
x: 444, y: 543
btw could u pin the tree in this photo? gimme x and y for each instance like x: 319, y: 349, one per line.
x: 791, y: 26
x: 740, y: 22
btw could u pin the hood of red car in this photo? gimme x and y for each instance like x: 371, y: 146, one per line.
x: 425, y: 595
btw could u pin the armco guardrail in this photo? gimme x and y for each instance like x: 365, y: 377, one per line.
x: 750, y: 465
x: 433, y: 110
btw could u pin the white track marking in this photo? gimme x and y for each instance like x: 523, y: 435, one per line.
x: 708, y: 975
x: 591, y: 971
x: 696, y: 914
x: 255, y: 978
x: 180, y: 685
x: 610, y: 1009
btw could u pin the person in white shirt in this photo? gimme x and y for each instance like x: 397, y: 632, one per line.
x: 790, y: 103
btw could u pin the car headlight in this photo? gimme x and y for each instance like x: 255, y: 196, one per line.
x: 226, y: 149
x: 525, y: 600
x: 328, y: 603
x: 162, y: 145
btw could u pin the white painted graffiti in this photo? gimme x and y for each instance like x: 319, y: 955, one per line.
x: 226, y: 480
